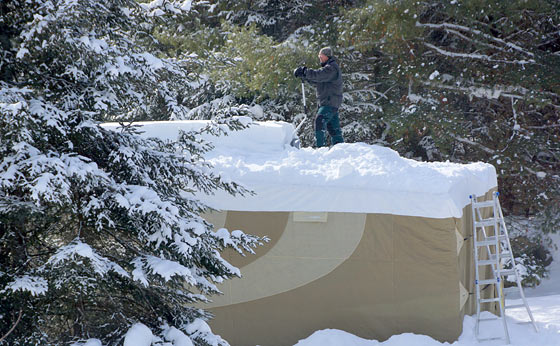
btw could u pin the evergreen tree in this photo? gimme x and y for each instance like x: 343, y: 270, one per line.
x: 99, y: 230
x: 244, y: 52
x: 466, y: 82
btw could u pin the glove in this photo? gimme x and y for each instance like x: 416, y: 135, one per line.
x: 300, y: 71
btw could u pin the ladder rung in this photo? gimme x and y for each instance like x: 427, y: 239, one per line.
x: 508, y: 272
x: 490, y: 240
x: 514, y: 306
x: 487, y: 222
x: 490, y: 300
x: 489, y: 319
x: 492, y: 260
x: 483, y: 204
x: 485, y: 242
x: 500, y: 237
x: 486, y: 262
x: 494, y: 338
x: 487, y: 282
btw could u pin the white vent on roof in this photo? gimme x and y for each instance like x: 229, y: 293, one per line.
x: 310, y: 216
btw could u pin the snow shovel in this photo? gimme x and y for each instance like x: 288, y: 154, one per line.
x: 296, y: 143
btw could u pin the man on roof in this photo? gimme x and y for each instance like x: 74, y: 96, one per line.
x: 328, y: 82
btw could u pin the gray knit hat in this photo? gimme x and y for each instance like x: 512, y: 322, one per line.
x: 326, y: 51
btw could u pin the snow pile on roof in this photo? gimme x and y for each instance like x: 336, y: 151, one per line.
x: 354, y: 177
x: 270, y: 136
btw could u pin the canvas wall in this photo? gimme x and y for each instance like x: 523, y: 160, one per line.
x: 373, y: 275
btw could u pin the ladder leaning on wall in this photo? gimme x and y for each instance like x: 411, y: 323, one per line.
x: 495, y: 239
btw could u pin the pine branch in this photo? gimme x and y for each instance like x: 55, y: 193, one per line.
x: 384, y: 95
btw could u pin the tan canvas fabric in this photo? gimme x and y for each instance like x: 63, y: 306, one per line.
x: 402, y: 275
x: 302, y: 253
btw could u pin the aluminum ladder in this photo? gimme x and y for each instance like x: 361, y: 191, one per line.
x: 495, y: 239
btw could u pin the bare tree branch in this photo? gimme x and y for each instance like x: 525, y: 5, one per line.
x: 384, y: 95
x: 475, y: 56
x: 477, y: 32
x: 476, y: 91
x: 515, y: 124
x: 13, y: 327
x: 478, y: 145
x: 542, y: 127
x: 455, y: 32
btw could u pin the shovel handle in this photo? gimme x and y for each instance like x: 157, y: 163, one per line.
x: 303, y: 94
x: 296, y: 130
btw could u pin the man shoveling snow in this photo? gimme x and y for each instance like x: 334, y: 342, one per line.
x: 328, y: 82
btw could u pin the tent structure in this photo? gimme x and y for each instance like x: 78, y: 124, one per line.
x: 361, y: 239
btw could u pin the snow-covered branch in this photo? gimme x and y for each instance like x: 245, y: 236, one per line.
x: 478, y: 145
x: 542, y: 127
x: 477, y: 91
x: 457, y: 33
x: 516, y: 126
x: 35, y: 285
x: 449, y: 26
x: 101, y: 265
x: 475, y: 56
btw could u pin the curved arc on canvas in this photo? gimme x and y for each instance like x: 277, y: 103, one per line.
x: 305, y: 252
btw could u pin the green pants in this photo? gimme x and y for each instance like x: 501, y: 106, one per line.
x: 327, y: 117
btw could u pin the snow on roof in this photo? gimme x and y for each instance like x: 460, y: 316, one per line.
x: 349, y: 177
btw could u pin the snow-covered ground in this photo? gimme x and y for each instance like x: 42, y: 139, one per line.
x: 544, y: 301
x: 546, y: 311
x: 551, y: 284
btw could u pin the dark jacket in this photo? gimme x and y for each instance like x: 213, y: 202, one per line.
x: 328, y: 81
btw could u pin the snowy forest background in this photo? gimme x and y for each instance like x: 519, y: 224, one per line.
x: 100, y: 230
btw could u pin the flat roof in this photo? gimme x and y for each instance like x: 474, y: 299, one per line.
x: 349, y: 177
